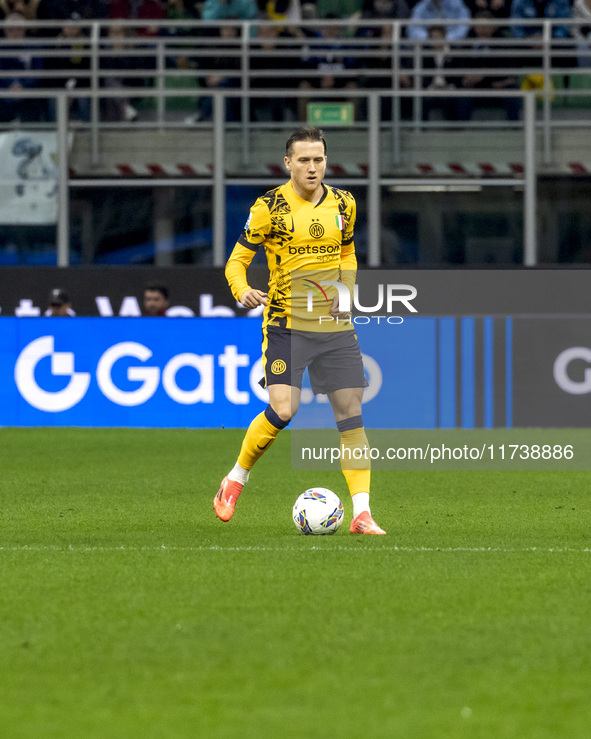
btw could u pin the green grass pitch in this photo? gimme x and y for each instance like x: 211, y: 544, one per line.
x: 128, y: 610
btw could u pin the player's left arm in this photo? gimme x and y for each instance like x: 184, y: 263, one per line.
x: 348, y: 258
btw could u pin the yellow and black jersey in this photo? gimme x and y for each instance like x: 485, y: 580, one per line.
x: 305, y: 244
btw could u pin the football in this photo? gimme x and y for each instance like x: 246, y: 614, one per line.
x: 318, y: 511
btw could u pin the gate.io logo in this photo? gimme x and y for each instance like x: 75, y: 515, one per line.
x: 62, y: 365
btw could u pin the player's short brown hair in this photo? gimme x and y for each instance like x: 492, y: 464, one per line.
x: 305, y: 133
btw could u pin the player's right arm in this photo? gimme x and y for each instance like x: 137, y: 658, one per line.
x: 255, y: 231
x: 252, y: 298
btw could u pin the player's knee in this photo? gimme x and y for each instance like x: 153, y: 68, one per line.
x: 348, y: 410
x: 285, y: 409
x: 346, y: 403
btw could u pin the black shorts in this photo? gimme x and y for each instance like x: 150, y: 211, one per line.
x: 333, y: 359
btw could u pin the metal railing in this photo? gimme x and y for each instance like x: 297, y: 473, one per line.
x: 382, y: 69
x: 374, y: 181
x: 363, y: 60
x: 389, y: 63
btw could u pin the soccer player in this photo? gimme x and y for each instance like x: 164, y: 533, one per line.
x: 306, y: 228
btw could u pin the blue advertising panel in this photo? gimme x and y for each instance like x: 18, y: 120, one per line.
x: 487, y: 349
x: 195, y: 373
x: 130, y: 372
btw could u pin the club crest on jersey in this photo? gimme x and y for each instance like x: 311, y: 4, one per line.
x: 316, y: 230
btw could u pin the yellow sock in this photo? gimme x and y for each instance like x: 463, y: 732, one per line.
x: 260, y: 435
x: 355, y: 460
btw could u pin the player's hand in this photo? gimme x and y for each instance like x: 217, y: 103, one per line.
x: 335, y: 312
x: 252, y: 298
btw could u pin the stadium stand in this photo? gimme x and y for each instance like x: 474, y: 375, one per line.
x: 142, y: 95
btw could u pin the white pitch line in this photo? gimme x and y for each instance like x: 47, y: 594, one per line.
x: 216, y: 548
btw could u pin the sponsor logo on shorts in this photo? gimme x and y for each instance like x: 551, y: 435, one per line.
x: 278, y: 367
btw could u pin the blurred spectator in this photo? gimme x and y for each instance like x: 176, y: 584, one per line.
x: 309, y: 11
x: 582, y: 30
x: 438, y: 61
x: 331, y: 61
x: 342, y: 8
x: 279, y: 10
x: 144, y: 10
x: 285, y: 10
x: 113, y: 58
x: 488, y: 57
x: 268, y: 57
x: 180, y: 10
x: 24, y: 58
x: 219, y: 10
x: 27, y: 8
x: 309, y: 14
x: 87, y: 9
x: 551, y: 9
x: 156, y: 300
x: 74, y: 62
x: 219, y: 66
x: 60, y: 304
x: 141, y: 10
x: 498, y: 8
x: 48, y: 10
x: 439, y: 10
x: 384, y: 12
x: 531, y: 9
x: 61, y: 10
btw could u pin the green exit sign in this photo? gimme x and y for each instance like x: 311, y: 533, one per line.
x: 330, y: 114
